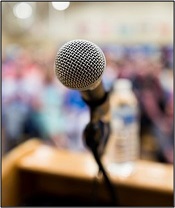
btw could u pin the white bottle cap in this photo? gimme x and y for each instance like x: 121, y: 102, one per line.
x: 123, y: 84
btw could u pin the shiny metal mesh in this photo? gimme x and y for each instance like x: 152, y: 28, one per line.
x: 79, y: 64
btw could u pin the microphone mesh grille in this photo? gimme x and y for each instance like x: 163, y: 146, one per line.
x: 79, y: 64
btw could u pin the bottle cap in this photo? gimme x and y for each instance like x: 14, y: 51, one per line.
x: 123, y: 84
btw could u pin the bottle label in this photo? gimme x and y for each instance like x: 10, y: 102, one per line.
x: 125, y: 113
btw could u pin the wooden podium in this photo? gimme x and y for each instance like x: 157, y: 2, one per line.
x: 33, y: 171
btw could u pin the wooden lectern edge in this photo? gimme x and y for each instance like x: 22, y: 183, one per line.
x: 11, y: 195
x: 145, y: 172
x: 15, y: 160
x: 11, y: 158
x: 18, y: 157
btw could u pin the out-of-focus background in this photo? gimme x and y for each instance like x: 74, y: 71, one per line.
x: 137, y: 40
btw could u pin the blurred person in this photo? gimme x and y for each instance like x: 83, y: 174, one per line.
x: 167, y: 57
x: 125, y: 68
x: 163, y: 129
x: 111, y: 73
x: 15, y: 108
x: 77, y: 115
x: 48, y: 114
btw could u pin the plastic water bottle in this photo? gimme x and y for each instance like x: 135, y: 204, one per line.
x: 123, y: 147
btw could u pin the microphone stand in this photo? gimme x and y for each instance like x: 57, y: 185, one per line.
x: 96, y: 134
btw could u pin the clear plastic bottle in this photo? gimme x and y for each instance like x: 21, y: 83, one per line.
x: 123, y: 147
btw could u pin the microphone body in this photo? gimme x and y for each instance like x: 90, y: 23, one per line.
x: 79, y: 64
x: 98, y: 101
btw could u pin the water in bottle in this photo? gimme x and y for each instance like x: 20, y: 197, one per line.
x: 122, y: 149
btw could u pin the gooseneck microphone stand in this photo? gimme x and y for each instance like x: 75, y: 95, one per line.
x: 96, y: 134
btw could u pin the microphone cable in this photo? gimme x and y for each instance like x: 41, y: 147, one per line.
x: 93, y: 143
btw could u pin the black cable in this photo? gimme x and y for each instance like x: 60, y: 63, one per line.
x: 109, y: 185
x: 95, y: 138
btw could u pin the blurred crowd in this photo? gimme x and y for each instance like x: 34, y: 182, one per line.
x: 36, y: 104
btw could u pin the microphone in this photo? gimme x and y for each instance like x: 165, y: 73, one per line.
x: 79, y: 65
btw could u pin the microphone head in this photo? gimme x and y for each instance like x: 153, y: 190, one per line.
x: 79, y: 64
